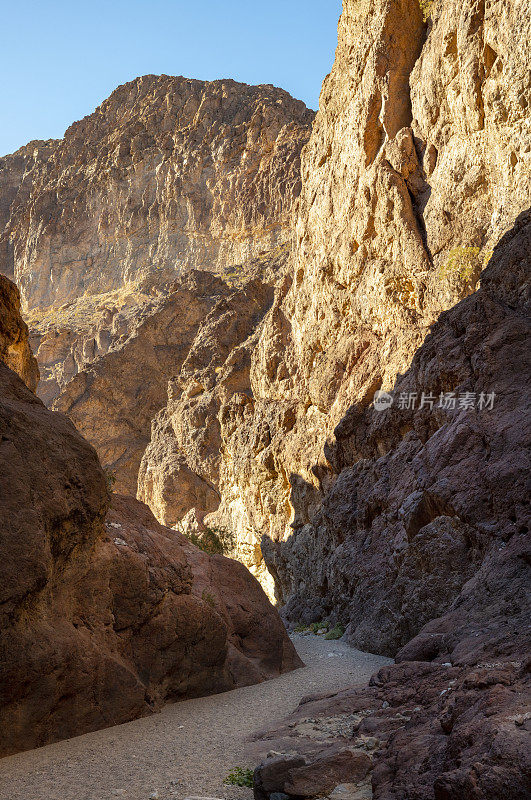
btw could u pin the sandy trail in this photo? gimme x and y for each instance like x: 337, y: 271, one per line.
x: 189, y: 747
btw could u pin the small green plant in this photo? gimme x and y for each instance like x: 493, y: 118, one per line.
x: 206, y: 597
x: 465, y: 263
x: 300, y: 628
x: 322, y: 628
x: 336, y: 632
x: 316, y: 627
x: 240, y: 777
x: 214, y: 541
x: 425, y: 7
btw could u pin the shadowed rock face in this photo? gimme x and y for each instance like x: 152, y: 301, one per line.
x: 422, y: 495
x: 104, y: 614
x: 432, y: 539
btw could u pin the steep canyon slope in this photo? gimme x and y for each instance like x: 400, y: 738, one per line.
x: 430, y: 538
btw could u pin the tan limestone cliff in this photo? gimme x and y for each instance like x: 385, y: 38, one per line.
x: 167, y: 174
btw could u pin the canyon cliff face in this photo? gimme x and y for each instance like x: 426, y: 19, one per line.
x: 430, y: 538
x: 15, y: 350
x: 418, y: 162
x: 113, y: 400
x: 104, y: 614
x: 409, y: 273
x: 167, y: 175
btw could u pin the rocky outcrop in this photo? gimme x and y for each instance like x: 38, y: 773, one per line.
x: 424, y: 493
x: 167, y: 174
x: 113, y: 400
x: 431, y: 538
x: 106, y: 615
x: 183, y: 470
x: 14, y: 185
x: 15, y: 351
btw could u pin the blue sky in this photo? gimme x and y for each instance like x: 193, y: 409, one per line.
x: 59, y: 60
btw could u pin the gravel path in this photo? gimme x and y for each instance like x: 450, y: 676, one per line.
x: 189, y: 747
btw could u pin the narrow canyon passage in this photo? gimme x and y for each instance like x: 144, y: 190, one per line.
x: 189, y: 747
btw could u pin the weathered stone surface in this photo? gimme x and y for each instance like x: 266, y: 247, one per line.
x: 449, y: 721
x: 424, y: 493
x: 406, y: 188
x: 114, y: 398
x: 104, y: 616
x: 168, y: 174
x: 183, y: 469
x: 15, y: 185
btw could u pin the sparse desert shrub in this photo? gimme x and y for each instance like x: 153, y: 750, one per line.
x: 206, y: 597
x: 425, y: 7
x: 110, y: 480
x: 240, y: 777
x: 335, y: 633
x: 323, y: 628
x: 214, y: 541
x: 316, y: 627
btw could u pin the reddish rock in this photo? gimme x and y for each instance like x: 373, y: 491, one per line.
x: 104, y: 616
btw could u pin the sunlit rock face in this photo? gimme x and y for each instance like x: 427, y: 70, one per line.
x: 417, y: 164
x: 167, y: 174
x: 15, y: 351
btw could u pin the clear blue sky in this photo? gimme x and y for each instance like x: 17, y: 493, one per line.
x: 59, y: 59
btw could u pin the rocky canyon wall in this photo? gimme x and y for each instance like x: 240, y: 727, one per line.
x: 417, y: 164
x: 430, y: 538
x: 15, y: 351
x: 167, y: 175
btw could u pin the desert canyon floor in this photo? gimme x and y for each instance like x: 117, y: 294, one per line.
x: 187, y: 749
